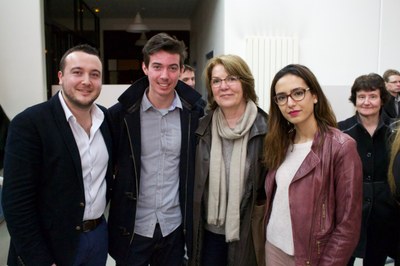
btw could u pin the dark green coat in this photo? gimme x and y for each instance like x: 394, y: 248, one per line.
x: 242, y: 252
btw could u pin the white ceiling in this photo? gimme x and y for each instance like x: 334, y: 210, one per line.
x: 176, y: 9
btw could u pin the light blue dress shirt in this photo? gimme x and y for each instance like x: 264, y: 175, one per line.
x: 158, y: 200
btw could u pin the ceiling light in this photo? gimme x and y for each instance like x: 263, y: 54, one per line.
x: 142, y: 40
x: 137, y: 26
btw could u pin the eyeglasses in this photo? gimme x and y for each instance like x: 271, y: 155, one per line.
x: 229, y: 80
x: 296, y: 94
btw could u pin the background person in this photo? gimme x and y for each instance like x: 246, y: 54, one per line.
x: 4, y: 123
x: 150, y: 217
x: 394, y: 183
x: 57, y: 162
x: 366, y: 127
x: 229, y: 181
x: 188, y: 76
x: 391, y: 109
x: 313, y: 185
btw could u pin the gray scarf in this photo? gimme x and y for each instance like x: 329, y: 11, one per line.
x: 223, y: 204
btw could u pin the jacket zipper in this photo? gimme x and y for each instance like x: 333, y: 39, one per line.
x: 134, y: 165
x: 20, y: 261
x: 308, y: 262
x: 323, y: 217
x: 187, y: 174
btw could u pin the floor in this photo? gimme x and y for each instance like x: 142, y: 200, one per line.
x: 5, y: 238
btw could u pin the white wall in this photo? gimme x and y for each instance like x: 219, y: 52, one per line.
x: 389, y: 55
x: 22, y: 58
x: 207, y: 34
x: 339, y: 40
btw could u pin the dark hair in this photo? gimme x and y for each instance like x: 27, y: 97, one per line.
x: 164, y: 42
x: 281, y: 132
x: 188, y: 68
x: 370, y: 82
x: 390, y: 72
x: 236, y: 66
x: 86, y: 48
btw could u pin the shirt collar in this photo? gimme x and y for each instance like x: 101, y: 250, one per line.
x: 97, y: 114
x: 146, y: 104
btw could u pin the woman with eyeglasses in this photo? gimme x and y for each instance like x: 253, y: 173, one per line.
x: 367, y: 128
x: 229, y: 196
x: 313, y: 186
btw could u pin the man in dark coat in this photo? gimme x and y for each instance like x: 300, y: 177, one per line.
x: 150, y: 218
x: 56, y: 168
x: 391, y: 109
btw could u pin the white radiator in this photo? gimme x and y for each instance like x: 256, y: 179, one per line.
x: 266, y: 55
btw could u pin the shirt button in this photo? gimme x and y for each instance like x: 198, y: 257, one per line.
x: 369, y: 178
x: 369, y: 154
x: 82, y: 204
x: 77, y: 228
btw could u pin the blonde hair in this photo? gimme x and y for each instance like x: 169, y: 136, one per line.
x: 234, y: 65
x: 395, y: 148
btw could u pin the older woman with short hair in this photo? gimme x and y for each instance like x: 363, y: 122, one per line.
x: 367, y: 128
x: 228, y: 192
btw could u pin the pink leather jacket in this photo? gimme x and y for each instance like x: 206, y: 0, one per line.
x: 325, y: 198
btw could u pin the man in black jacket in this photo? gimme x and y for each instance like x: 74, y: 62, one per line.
x: 391, y: 109
x: 56, y: 169
x: 150, y: 219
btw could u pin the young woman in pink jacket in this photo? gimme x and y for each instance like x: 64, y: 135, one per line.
x: 314, y: 183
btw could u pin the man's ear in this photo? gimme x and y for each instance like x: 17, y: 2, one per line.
x: 59, y: 74
x: 144, y: 68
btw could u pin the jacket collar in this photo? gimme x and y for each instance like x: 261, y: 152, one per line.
x: 380, y: 122
x: 259, y: 126
x: 66, y: 132
x: 132, y: 97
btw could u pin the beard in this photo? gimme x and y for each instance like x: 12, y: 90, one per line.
x: 78, y: 101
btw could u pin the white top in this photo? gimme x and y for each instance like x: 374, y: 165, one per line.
x: 279, y: 228
x: 94, y: 160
